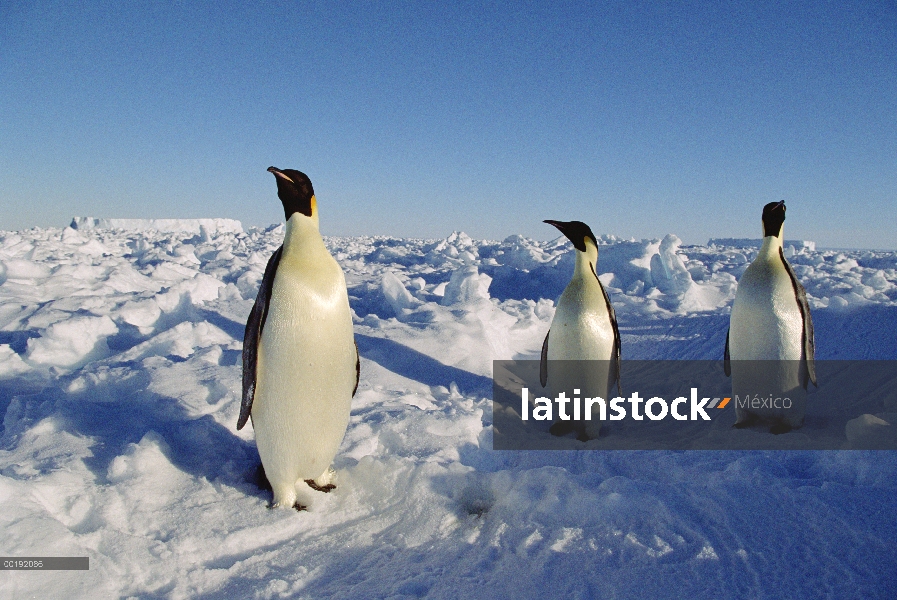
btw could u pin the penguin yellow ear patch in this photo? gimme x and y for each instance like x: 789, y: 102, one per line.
x: 314, y: 204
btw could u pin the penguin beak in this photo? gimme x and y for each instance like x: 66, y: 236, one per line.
x: 277, y: 173
x: 566, y: 230
x: 562, y: 227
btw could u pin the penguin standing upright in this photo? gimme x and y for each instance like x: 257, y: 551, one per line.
x: 300, y: 361
x: 769, y: 347
x: 584, y: 328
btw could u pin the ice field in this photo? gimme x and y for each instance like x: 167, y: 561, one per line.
x: 120, y: 347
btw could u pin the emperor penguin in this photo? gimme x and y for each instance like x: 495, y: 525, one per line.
x: 584, y: 328
x: 769, y: 346
x: 300, y: 361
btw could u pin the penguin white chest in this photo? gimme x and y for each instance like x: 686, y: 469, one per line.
x: 306, y: 370
x: 581, y: 328
x: 766, y: 322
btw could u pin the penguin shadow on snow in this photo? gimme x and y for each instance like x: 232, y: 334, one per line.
x: 410, y: 363
x: 127, y: 411
x: 699, y: 336
x: 230, y: 327
x: 856, y: 333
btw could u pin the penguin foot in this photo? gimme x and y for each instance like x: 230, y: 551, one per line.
x: 327, y: 488
x: 749, y: 421
x: 296, y: 506
x: 561, y: 428
x: 780, y: 428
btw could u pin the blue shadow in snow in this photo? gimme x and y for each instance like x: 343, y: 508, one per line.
x: 856, y: 333
x: 404, y: 361
x: 18, y: 340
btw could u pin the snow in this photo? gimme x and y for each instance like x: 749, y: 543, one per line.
x: 120, y: 350
x: 795, y: 245
x: 204, y: 227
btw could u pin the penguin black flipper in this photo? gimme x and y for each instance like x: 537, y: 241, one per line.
x: 253, y: 334
x: 807, y: 339
x: 543, y: 361
x: 727, y: 366
x: 357, y: 369
x: 615, y: 359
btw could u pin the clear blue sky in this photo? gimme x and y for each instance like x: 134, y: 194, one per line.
x: 417, y: 119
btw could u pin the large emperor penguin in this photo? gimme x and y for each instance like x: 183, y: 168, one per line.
x: 769, y: 347
x: 300, y: 361
x: 584, y: 328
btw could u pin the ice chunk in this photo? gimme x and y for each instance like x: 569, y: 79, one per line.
x: 19, y: 268
x: 11, y: 364
x: 71, y: 236
x: 871, y: 432
x: 877, y: 281
x: 140, y: 313
x: 457, y: 248
x: 667, y: 269
x: 94, y: 248
x: 521, y: 253
x: 837, y: 302
x: 182, y: 340
x: 248, y: 283
x: 201, y: 288
x: 630, y: 262
x: 466, y: 284
x: 72, y: 343
x: 395, y: 293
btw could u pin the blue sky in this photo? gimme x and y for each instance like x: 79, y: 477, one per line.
x: 417, y: 119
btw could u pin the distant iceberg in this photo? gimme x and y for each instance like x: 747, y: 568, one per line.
x: 167, y: 225
x: 756, y: 243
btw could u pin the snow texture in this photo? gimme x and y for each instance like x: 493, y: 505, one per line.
x: 120, y: 349
x: 169, y: 225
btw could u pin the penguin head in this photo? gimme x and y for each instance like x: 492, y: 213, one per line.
x: 579, y: 234
x: 295, y: 192
x: 773, y: 217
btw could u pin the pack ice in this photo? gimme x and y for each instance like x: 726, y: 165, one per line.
x: 120, y: 352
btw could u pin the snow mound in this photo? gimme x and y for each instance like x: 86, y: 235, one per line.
x: 668, y: 272
x: 72, y: 342
x: 466, y: 285
x: 872, y: 432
